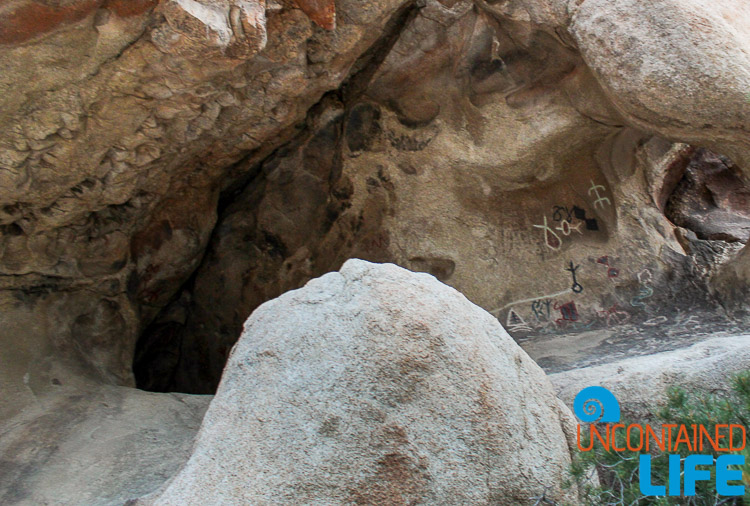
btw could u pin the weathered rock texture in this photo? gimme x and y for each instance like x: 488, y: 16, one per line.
x: 120, y: 141
x: 712, y: 200
x: 482, y: 149
x: 731, y: 284
x: 574, y: 167
x: 375, y: 385
x: 168, y: 166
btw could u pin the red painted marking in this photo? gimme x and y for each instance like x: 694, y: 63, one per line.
x: 568, y: 311
x: 552, y: 241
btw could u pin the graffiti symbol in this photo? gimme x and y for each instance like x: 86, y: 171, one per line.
x: 577, y: 288
x: 551, y: 239
x: 580, y: 214
x: 599, y: 199
x: 614, y: 315
x: 541, y: 309
x: 611, y: 271
x: 655, y: 321
x: 558, y: 211
x: 690, y: 320
x: 565, y: 227
x: 645, y: 277
x: 646, y: 291
x: 515, y: 323
x: 568, y: 312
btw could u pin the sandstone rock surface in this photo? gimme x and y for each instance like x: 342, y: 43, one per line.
x: 166, y: 167
x: 731, y: 284
x: 374, y: 385
x: 115, y: 151
x: 677, y: 67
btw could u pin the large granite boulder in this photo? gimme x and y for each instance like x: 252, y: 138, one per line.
x: 374, y: 385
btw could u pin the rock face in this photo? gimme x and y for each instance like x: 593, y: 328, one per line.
x: 115, y: 151
x: 640, y: 383
x: 731, y: 284
x: 712, y: 200
x: 166, y: 167
x: 95, y: 445
x: 495, y: 150
x: 577, y: 168
x: 374, y: 385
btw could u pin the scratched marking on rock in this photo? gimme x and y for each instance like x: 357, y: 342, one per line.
x: 645, y: 277
x: 690, y: 320
x: 599, y: 199
x: 653, y: 322
x: 496, y: 311
x: 613, y: 314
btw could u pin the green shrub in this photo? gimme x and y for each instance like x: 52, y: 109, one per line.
x: 618, y: 471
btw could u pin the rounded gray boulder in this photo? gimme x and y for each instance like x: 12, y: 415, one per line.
x: 376, y: 385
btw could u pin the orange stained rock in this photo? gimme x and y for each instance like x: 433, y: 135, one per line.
x: 27, y: 20
x: 322, y: 12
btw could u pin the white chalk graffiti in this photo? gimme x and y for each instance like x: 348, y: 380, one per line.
x: 565, y: 220
x: 658, y: 320
x: 646, y: 291
x: 645, y: 277
x: 599, y: 199
x: 514, y: 323
x: 685, y: 320
x: 566, y: 228
x: 496, y: 312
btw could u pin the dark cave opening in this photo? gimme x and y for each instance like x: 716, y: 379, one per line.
x: 707, y: 199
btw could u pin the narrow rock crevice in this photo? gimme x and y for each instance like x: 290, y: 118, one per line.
x: 163, y: 361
